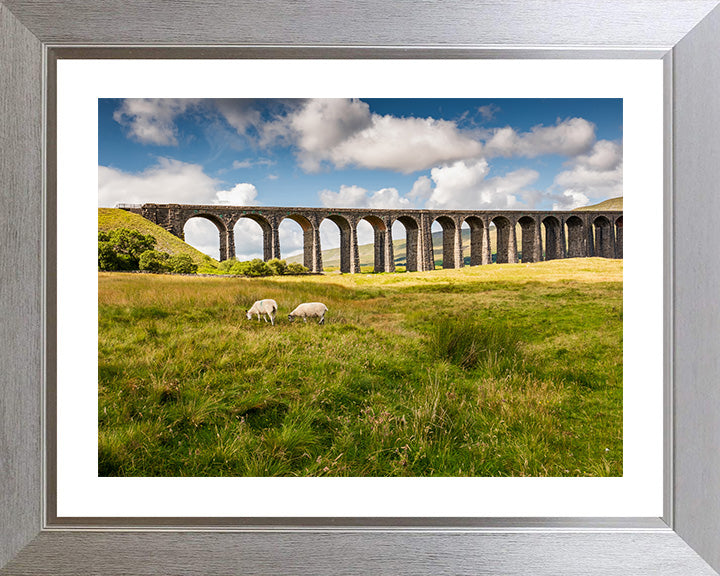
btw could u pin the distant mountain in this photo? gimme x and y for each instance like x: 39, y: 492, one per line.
x: 612, y: 204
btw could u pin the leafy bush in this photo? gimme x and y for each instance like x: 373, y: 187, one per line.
x: 295, y: 268
x: 154, y: 261
x: 278, y: 267
x: 182, y: 264
x: 258, y: 267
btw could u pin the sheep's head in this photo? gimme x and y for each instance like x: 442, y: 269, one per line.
x: 291, y: 317
x: 248, y: 315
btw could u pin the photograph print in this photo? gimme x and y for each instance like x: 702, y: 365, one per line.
x: 360, y: 287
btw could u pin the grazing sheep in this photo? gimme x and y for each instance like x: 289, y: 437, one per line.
x: 265, y: 308
x: 309, y: 310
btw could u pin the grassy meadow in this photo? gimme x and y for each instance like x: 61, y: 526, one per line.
x: 501, y: 370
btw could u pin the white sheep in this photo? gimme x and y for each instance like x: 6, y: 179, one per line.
x: 265, y: 308
x: 309, y: 310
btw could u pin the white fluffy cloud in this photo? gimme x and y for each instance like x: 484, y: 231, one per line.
x: 464, y: 185
x: 345, y: 133
x: 243, y: 194
x: 175, y: 181
x: 591, y: 177
x: 167, y: 181
x: 568, y: 138
x: 357, y: 197
x: 152, y: 120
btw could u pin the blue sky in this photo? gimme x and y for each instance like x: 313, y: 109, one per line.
x: 419, y: 153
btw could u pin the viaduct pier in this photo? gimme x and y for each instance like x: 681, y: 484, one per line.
x: 567, y: 234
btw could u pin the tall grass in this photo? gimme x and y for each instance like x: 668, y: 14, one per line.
x: 502, y: 370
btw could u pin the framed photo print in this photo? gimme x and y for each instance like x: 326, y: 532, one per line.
x: 329, y: 301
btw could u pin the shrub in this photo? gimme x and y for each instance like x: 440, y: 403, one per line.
x: 258, y: 267
x: 154, y: 261
x: 182, y: 264
x: 295, y: 268
x: 278, y: 267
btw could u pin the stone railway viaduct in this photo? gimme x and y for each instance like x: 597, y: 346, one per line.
x: 567, y: 234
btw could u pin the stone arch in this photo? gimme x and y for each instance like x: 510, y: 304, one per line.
x: 506, y: 240
x: 412, y: 244
x: 530, y: 243
x: 345, y: 230
x: 450, y: 256
x: 477, y: 242
x: 604, y: 238
x: 312, y: 255
x: 619, y: 237
x: 380, y: 243
x: 226, y: 243
x: 265, y: 228
x: 554, y: 241
x: 575, y: 237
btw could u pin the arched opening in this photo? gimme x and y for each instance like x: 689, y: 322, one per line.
x: 297, y: 236
x: 604, y: 241
x: 208, y: 234
x: 476, y: 233
x: 530, y: 243
x: 506, y: 240
x: 407, y: 253
x: 554, y: 241
x: 449, y: 253
x: 379, y: 236
x: 575, y: 237
x: 252, y: 235
x: 619, y: 237
x: 335, y: 237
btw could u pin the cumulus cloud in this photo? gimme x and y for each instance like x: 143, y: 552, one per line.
x: 358, y: 197
x: 152, y: 120
x: 568, y: 138
x: 345, y: 133
x: 179, y: 182
x: 590, y: 177
x: 421, y: 190
x: 464, y: 184
x: 243, y: 194
x: 167, y: 181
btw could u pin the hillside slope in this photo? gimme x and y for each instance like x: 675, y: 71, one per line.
x: 112, y: 218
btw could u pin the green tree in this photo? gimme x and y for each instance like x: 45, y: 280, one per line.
x: 127, y: 245
x: 107, y: 257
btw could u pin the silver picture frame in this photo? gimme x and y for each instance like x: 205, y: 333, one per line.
x: 684, y: 34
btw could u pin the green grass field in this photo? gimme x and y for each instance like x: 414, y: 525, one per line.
x: 501, y: 370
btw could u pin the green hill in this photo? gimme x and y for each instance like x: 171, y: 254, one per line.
x: 612, y: 204
x: 112, y: 218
